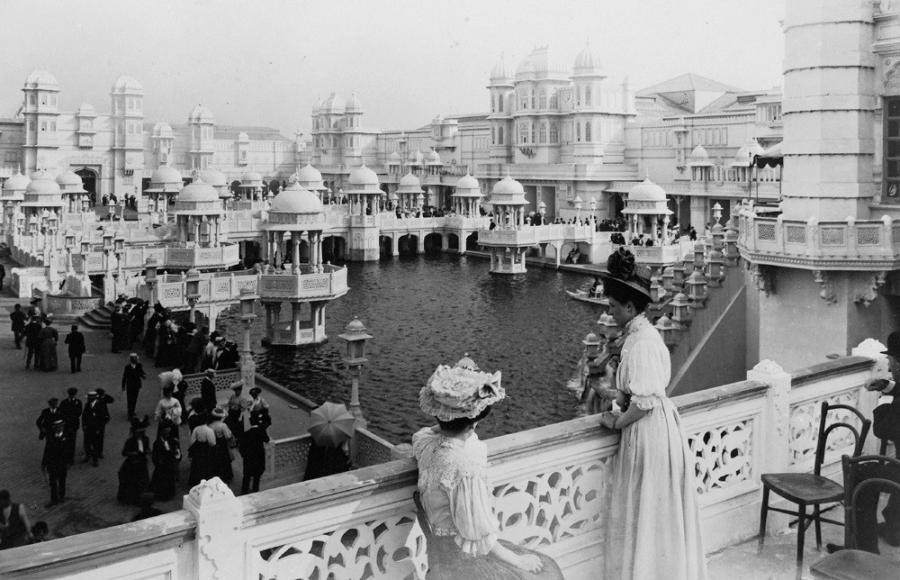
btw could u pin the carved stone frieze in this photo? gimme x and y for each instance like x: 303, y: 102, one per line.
x: 764, y: 277
x: 826, y: 286
x: 867, y: 296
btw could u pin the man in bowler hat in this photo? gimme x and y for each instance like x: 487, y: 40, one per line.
x: 131, y: 382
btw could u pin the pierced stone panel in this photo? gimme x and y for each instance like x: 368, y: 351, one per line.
x: 549, y: 507
x: 288, y: 454
x: 832, y: 236
x: 723, y: 455
x: 795, y: 234
x: 805, y: 427
x: 868, y: 236
x: 765, y: 232
x: 392, y: 548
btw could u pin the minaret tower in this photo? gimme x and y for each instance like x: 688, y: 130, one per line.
x: 41, y: 110
x: 501, y: 91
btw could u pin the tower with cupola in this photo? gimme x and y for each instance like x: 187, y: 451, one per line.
x: 352, y: 134
x: 41, y: 112
x: 127, y: 120
x: 202, y: 127
x: 501, y: 93
x: 587, y: 88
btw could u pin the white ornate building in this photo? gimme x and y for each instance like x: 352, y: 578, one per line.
x: 117, y: 151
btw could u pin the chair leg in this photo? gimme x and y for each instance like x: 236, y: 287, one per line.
x: 816, y: 515
x: 763, y: 512
x: 801, y: 534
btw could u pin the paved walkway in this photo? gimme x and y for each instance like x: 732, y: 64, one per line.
x: 90, y: 491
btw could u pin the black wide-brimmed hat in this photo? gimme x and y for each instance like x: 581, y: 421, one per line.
x: 893, y: 345
x: 621, y: 269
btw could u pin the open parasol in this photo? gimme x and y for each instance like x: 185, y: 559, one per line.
x: 331, y: 424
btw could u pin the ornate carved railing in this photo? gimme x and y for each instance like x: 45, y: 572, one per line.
x: 549, y: 490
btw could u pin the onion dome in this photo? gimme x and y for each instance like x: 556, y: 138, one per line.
x: 70, y: 182
x: 538, y: 65
x: 200, y: 115
x: 353, y: 104
x: 646, y: 191
x: 295, y: 199
x: 86, y: 110
x: 165, y: 180
x: 43, y: 191
x: 363, y: 180
x: 467, y: 186
x: 699, y: 157
x: 508, y: 191
x: 41, y: 79
x: 198, y: 192
x: 333, y: 104
x: 415, y: 157
x: 162, y: 130
x: 744, y: 156
x: 586, y: 63
x: 394, y: 158
x: 310, y: 178
x: 127, y: 85
x: 409, y: 183
x: 433, y: 158
x: 251, y: 179
x: 214, y: 177
x: 498, y: 73
x: 17, y: 182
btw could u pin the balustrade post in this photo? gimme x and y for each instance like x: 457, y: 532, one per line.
x: 773, y: 453
x: 218, y: 514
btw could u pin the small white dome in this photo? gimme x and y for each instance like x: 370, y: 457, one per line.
x: 43, y: 191
x: 467, y: 186
x: 69, y: 181
x: 295, y: 199
x: 17, y: 182
x: 127, y: 85
x: 41, y: 79
x: 251, y: 179
x: 394, y: 158
x: 353, y: 105
x: 333, y: 104
x: 165, y: 175
x: 508, y: 191
x: 586, y: 62
x: 646, y: 191
x: 363, y: 177
x: 200, y: 114
x: 498, y: 73
x: 214, y: 177
x: 198, y: 191
x: 309, y: 173
x: 162, y: 130
x: 409, y: 183
x: 433, y: 158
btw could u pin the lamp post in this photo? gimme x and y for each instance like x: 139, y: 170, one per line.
x: 579, y: 203
x: 248, y: 365
x: 150, y: 276
x: 593, y: 206
x: 717, y: 212
x: 70, y: 246
x: 355, y: 335
x: 119, y: 247
x: 420, y: 200
x: 192, y: 291
x: 85, y: 250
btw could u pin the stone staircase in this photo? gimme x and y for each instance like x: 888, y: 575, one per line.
x: 98, y: 318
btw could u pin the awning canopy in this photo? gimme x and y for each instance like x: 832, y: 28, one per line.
x: 772, y: 157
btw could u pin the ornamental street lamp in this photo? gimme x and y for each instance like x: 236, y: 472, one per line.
x: 717, y: 212
x: 420, y: 200
x: 578, y: 205
x: 668, y: 330
x: 248, y: 365
x: 355, y: 335
x: 593, y: 205
x: 192, y: 290
x: 681, y: 311
x: 70, y: 246
x: 150, y: 276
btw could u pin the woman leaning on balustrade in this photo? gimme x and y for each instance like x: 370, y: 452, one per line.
x: 652, y: 520
x: 453, y: 483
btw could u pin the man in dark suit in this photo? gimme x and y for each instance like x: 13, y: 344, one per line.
x: 55, y: 463
x: 75, y: 340
x: 131, y: 382
x: 47, y: 417
x: 886, y: 425
x: 71, y: 409
x: 103, y: 402
x: 33, y: 342
x: 2, y: 274
x: 208, y: 391
x: 17, y: 317
x: 93, y: 420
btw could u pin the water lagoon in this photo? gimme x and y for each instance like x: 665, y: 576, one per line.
x: 427, y: 310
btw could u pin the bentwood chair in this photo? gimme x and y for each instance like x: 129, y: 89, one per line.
x: 862, y: 475
x: 811, y: 489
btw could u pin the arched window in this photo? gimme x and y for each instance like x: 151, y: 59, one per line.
x: 554, y: 133
x: 578, y: 132
x: 543, y: 132
x: 587, y: 97
x: 500, y: 103
x: 543, y: 103
x: 587, y: 131
x: 500, y: 135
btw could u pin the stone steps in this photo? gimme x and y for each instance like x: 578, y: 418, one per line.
x: 98, y: 318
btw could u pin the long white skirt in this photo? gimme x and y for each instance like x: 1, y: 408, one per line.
x: 653, y: 521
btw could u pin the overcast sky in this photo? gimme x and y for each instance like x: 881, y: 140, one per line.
x: 264, y: 62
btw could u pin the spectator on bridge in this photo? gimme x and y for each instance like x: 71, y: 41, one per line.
x: 18, y: 318
x: 55, y: 461
x: 166, y: 456
x: 93, y: 420
x: 133, y: 475
x: 15, y: 530
x: 71, y: 409
x: 48, y: 337
x: 132, y: 378
x: 75, y: 340
x: 253, y: 451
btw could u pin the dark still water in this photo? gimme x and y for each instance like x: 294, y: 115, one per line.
x: 424, y: 311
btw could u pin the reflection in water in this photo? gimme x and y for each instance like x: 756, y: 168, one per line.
x: 424, y: 311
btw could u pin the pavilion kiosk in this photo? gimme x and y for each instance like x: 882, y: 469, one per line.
x: 508, y: 241
x: 408, y: 192
x: 165, y: 185
x: 297, y: 222
x: 467, y: 196
x: 12, y: 196
x: 365, y: 193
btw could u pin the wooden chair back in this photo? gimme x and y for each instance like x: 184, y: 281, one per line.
x: 885, y: 469
x: 825, y: 429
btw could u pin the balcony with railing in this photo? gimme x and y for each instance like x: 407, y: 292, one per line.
x: 309, y: 284
x: 846, y: 245
x: 549, y: 484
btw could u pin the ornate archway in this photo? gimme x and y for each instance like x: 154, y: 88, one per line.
x: 89, y: 179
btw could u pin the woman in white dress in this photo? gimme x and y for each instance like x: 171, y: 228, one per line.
x: 453, y: 483
x: 652, y: 522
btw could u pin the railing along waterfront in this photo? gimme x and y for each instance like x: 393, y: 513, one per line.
x: 550, y: 492
x: 531, y: 235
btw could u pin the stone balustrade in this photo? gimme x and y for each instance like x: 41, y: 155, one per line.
x: 845, y: 245
x: 330, y: 283
x: 550, y: 487
x: 534, y: 235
